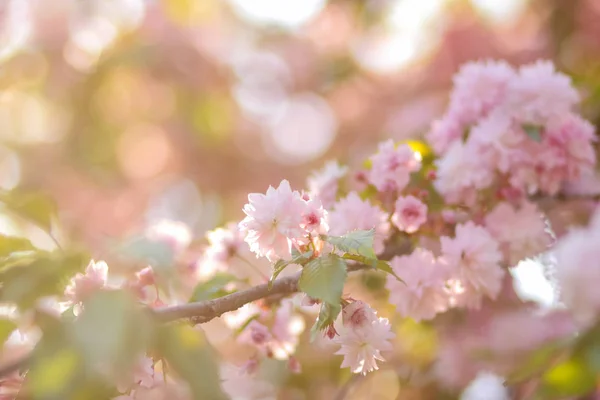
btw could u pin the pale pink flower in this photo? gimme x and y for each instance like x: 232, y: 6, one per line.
x: 256, y: 334
x: 474, y: 258
x: 176, y: 234
x: 578, y: 271
x: 241, y: 383
x: 324, y: 183
x: 223, y: 245
x: 273, y: 221
x: 462, y: 173
x: 314, y: 217
x: 486, y: 386
x: 423, y: 293
x: 444, y: 132
x: 391, y: 166
x: 535, y: 329
x: 409, y: 214
x: 357, y: 315
x: 522, y: 232
x: 84, y: 285
x: 287, y: 328
x: 539, y: 92
x: 143, y: 376
x: 351, y: 213
x: 479, y: 87
x: 362, y: 346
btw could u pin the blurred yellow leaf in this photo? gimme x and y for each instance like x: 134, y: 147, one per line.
x: 190, y: 338
x: 186, y: 12
x: 52, y: 375
x: 418, y: 341
x: 378, y: 385
x: 420, y: 147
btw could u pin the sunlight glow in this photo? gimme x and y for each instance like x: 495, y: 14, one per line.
x: 287, y: 14
x: 531, y: 284
x: 500, y: 11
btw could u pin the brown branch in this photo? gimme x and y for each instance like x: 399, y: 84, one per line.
x: 204, y: 311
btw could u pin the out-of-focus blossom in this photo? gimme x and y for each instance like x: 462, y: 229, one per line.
x: 479, y: 87
x: 314, y: 218
x: 521, y: 232
x: 461, y: 174
x: 409, y: 214
x: 391, y: 166
x: 242, y: 383
x: 255, y: 334
x: 286, y: 330
x: 474, y: 259
x: 362, y: 342
x: 174, y: 233
x: 84, y: 285
x: 351, y: 213
x: 540, y: 92
x: 578, y: 271
x: 423, y: 293
x: 324, y: 183
x: 144, y: 375
x: 223, y: 245
x: 486, y: 386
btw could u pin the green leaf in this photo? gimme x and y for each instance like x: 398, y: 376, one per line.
x: 44, y: 275
x: 191, y: 357
x: 356, y: 242
x: 35, y: 207
x: 534, y: 132
x: 6, y: 328
x: 53, y: 376
x: 323, y: 278
x: 380, y: 265
x: 111, y: 331
x: 386, y: 267
x: 213, y: 288
x: 328, y: 313
x: 11, y: 244
x: 297, y: 258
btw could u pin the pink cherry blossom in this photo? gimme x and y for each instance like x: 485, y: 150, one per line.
x: 314, y: 217
x: 462, y: 173
x: 244, y: 383
x: 444, y: 132
x: 324, y: 183
x: 273, y: 221
x: 391, y: 166
x: 256, y: 334
x: 539, y: 92
x: 521, y: 232
x: 83, y: 285
x: 362, y: 344
x: 357, y: 315
x: 409, y: 214
x: 423, y: 293
x: 351, y: 213
x: 479, y: 87
x: 474, y: 258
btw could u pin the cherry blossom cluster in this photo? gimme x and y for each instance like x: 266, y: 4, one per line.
x: 511, y: 132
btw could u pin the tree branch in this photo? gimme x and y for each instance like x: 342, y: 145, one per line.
x: 204, y: 311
